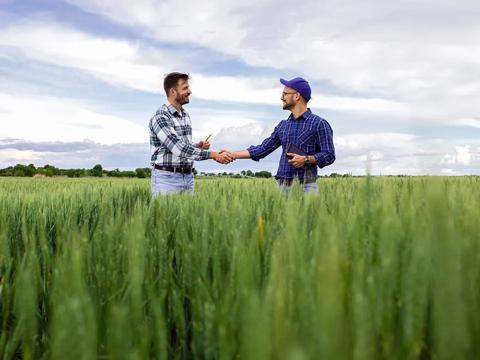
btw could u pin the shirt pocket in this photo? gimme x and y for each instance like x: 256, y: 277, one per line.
x: 306, y: 137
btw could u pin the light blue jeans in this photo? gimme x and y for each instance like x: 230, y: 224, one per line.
x: 307, y: 188
x: 166, y: 182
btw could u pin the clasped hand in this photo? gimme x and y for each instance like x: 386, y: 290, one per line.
x: 225, y: 157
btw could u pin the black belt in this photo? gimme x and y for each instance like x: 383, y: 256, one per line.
x: 289, y: 182
x: 174, y: 169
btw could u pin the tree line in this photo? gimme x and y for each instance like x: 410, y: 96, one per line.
x: 50, y: 171
x: 20, y: 170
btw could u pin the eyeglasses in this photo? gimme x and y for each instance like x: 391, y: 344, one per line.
x: 287, y: 93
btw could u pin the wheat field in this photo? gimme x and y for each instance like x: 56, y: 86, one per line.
x: 369, y: 268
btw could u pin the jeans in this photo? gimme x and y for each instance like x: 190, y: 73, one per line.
x: 166, y: 182
x: 307, y: 188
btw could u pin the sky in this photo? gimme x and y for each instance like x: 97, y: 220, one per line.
x: 399, y: 82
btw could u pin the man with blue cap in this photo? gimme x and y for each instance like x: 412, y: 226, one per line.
x: 306, y: 140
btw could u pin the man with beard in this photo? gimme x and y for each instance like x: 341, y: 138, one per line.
x: 306, y: 140
x: 173, y: 151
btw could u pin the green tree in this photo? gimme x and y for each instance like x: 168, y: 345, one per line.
x: 22, y: 170
x: 141, y: 173
x: 114, y: 173
x: 49, y: 170
x: 97, y: 170
x: 263, y: 174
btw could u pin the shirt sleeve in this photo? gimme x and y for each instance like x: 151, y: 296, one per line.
x: 163, y: 128
x: 268, y: 145
x: 326, y: 155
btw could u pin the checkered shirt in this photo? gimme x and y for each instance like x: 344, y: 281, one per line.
x: 310, y: 133
x: 171, y: 138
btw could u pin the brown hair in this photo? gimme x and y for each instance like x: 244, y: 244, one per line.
x: 171, y: 80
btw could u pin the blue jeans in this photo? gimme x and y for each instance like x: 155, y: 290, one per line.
x: 166, y: 182
x: 307, y: 188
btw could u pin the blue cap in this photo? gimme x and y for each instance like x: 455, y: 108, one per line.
x: 299, y: 84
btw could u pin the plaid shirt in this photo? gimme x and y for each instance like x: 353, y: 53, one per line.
x: 310, y: 133
x: 171, y: 139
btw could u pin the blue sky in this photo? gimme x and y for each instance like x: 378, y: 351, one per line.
x: 398, y: 82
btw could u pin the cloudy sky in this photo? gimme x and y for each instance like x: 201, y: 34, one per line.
x: 399, y: 82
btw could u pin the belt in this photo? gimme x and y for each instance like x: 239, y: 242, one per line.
x: 289, y: 182
x: 174, y: 169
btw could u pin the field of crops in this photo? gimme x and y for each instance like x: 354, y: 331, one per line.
x: 370, y: 268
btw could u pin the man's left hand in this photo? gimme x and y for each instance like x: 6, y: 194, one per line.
x: 205, y: 145
x: 297, y: 161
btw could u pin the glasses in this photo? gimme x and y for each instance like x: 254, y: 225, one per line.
x: 287, y: 93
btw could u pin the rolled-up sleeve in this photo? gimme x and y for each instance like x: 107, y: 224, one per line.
x: 163, y: 128
x: 326, y: 155
x: 268, y: 145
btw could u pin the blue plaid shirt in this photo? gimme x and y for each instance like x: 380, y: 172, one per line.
x: 171, y: 139
x: 310, y: 133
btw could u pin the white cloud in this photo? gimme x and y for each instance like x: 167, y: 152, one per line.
x: 67, y: 155
x: 400, y: 153
x: 50, y: 119
x: 469, y: 122
x: 207, y: 121
x: 354, y: 143
x: 403, y: 52
x: 114, y: 61
x: 237, y: 89
x: 240, y: 137
x: 32, y: 117
x: 11, y: 156
x: 462, y: 156
x: 267, y: 91
x: 127, y: 63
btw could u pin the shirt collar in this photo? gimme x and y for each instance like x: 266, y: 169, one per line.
x: 173, y: 110
x: 305, y: 115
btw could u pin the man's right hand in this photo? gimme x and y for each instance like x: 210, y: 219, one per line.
x: 222, y: 157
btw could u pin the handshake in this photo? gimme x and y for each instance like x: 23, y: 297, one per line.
x: 223, y: 157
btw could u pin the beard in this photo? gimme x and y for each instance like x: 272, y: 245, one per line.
x: 287, y: 106
x: 182, y: 99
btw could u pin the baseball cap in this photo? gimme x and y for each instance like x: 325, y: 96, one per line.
x: 299, y: 84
